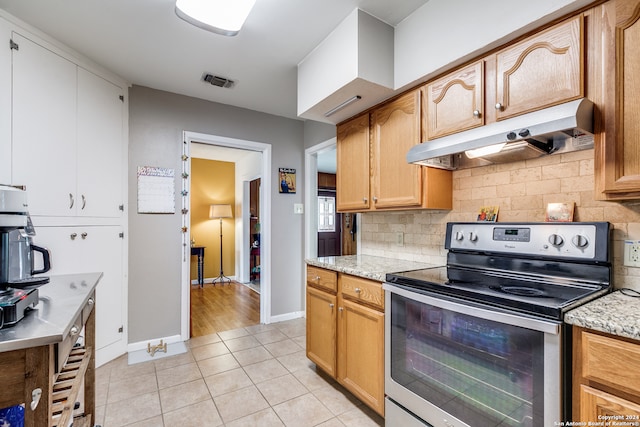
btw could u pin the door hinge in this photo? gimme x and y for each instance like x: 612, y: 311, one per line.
x: 13, y: 45
x: 121, y: 98
x: 121, y: 235
x: 121, y: 207
x: 121, y: 329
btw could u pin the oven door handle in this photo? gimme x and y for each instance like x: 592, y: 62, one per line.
x: 522, y: 320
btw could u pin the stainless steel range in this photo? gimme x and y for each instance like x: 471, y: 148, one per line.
x: 481, y: 341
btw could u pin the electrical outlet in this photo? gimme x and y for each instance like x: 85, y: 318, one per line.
x: 399, y: 238
x: 632, y: 253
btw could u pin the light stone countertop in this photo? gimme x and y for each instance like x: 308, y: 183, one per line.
x: 614, y: 313
x: 369, y: 267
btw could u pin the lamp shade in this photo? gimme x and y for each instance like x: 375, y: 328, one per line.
x: 220, y: 211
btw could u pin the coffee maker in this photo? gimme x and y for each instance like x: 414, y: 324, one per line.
x: 18, y: 280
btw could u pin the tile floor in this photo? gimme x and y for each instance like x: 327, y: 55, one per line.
x: 253, y: 376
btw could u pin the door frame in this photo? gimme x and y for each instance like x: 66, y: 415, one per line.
x: 265, y: 222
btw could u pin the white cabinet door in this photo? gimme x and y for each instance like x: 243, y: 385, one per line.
x: 99, y: 146
x: 85, y: 249
x: 5, y: 105
x: 44, y: 127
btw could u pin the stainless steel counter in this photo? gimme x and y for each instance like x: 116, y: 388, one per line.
x: 60, y: 302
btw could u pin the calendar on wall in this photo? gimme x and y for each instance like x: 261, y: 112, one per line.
x: 156, y: 190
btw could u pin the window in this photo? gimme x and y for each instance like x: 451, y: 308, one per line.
x: 326, y: 214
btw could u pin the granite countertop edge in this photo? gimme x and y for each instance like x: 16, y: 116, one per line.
x: 614, y: 313
x: 367, y: 266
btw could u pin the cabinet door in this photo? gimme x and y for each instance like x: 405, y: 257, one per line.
x: 44, y: 128
x: 85, y: 249
x: 321, y: 329
x: 541, y: 71
x: 617, y: 154
x: 454, y: 102
x: 352, y: 175
x: 100, y: 146
x: 361, y: 353
x: 5, y: 106
x: 396, y: 128
x: 596, y: 406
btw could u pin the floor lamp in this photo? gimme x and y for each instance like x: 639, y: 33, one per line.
x: 219, y: 212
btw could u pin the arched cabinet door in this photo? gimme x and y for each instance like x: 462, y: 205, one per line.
x: 544, y: 70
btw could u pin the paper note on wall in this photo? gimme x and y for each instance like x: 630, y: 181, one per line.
x: 156, y: 190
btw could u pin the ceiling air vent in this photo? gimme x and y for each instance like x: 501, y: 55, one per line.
x: 218, y: 81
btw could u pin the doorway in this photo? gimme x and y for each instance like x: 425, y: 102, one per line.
x: 239, y: 221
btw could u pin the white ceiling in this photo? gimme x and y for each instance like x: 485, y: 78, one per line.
x: 144, y: 42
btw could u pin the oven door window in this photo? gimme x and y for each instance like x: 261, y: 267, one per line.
x: 482, y: 372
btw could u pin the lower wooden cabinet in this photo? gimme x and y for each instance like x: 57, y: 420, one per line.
x: 606, y: 378
x: 345, y: 333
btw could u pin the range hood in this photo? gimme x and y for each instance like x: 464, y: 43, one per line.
x: 558, y: 129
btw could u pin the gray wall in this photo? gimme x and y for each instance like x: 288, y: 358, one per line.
x: 156, y: 122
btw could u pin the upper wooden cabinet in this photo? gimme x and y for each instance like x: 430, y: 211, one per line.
x: 372, y: 171
x: 617, y: 154
x: 454, y: 102
x: 538, y: 72
x: 541, y: 71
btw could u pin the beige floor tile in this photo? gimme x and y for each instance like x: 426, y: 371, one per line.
x: 361, y: 416
x: 99, y: 415
x: 303, y: 411
x: 252, y: 355
x: 218, y: 364
x: 273, y: 335
x: 234, y: 333
x: 333, y: 422
x: 209, y: 350
x: 178, y: 375
x: 336, y: 399
x: 301, y: 341
x: 202, y: 414
x: 203, y: 340
x: 313, y: 378
x: 264, y: 418
x: 242, y: 343
x: 173, y: 361
x: 122, y: 369
x: 296, y: 361
x: 294, y: 330
x: 281, y: 389
x: 255, y: 329
x: 228, y: 381
x: 240, y: 403
x: 282, y: 348
x: 151, y: 422
x: 265, y: 370
x: 132, y: 410
x: 131, y: 387
x: 182, y: 395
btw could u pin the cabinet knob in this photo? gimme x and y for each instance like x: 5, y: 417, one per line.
x: 476, y: 113
x: 71, y: 200
x: 317, y: 278
x: 340, y: 309
x: 331, y: 305
x: 74, y: 330
x: 73, y: 236
x: 91, y: 301
x: 364, y: 199
x: 357, y: 290
x: 499, y: 107
x: 84, y: 202
x: 375, y: 199
x: 84, y: 235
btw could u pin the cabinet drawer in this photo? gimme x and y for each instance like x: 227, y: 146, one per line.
x: 64, y: 348
x: 611, y: 362
x: 322, y: 278
x: 362, y: 290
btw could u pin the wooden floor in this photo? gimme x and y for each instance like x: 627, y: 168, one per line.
x: 223, y: 307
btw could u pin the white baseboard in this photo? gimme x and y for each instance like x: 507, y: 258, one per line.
x: 137, y: 352
x: 287, y: 316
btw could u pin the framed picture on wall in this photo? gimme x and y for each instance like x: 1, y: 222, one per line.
x: 287, y: 180
x: 560, y: 212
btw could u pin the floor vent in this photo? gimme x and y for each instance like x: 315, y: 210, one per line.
x: 218, y: 81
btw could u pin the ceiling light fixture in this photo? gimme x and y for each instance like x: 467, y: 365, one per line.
x: 341, y: 106
x: 224, y: 17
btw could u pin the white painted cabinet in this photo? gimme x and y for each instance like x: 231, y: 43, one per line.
x: 67, y: 135
x: 5, y: 106
x: 86, y: 249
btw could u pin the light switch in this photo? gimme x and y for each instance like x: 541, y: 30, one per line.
x: 298, y: 208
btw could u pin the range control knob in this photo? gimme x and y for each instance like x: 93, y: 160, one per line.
x: 556, y: 240
x: 580, y: 241
x: 524, y: 133
x: 473, y: 237
x: 511, y: 136
x: 459, y: 235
